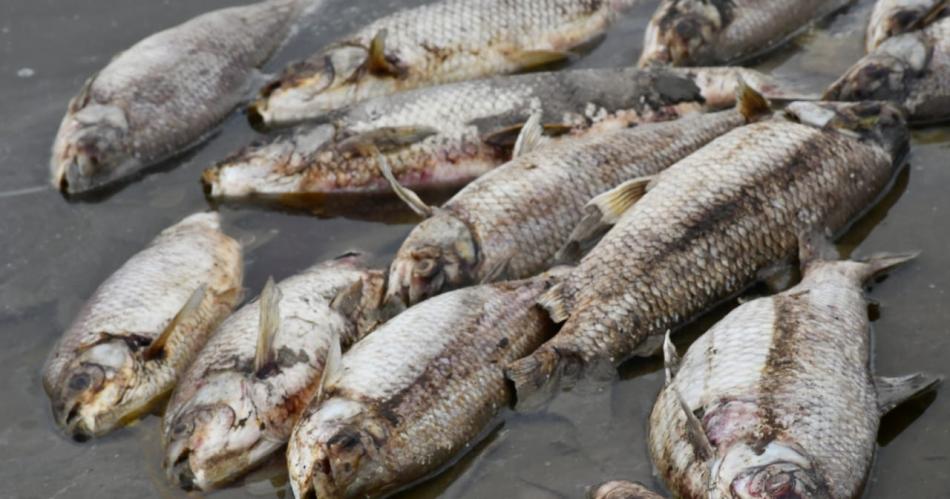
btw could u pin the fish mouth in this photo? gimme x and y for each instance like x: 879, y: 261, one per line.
x: 69, y: 417
x: 181, y: 474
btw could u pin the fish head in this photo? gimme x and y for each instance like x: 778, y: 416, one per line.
x: 885, y: 74
x: 336, y: 451
x: 440, y: 254
x: 878, y: 122
x: 683, y: 33
x: 91, y: 149
x: 777, y: 471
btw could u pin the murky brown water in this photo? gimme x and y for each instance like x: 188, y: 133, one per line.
x: 54, y: 253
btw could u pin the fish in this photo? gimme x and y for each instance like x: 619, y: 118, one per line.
x: 239, y: 400
x: 778, y: 398
x: 895, y: 17
x: 715, y: 32
x: 142, y: 327
x: 912, y: 70
x: 442, y: 42
x: 623, y: 490
x: 711, y: 225
x: 510, y: 223
x: 165, y: 94
x: 417, y: 392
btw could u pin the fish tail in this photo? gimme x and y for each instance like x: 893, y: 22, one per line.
x: 533, y: 373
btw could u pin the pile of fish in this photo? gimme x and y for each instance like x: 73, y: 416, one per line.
x: 597, y: 211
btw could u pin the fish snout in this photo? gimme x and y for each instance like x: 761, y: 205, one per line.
x: 197, y: 444
x: 781, y: 480
x: 73, y: 407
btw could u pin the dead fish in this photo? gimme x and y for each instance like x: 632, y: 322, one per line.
x: 705, y: 228
x: 777, y: 400
x: 912, y: 69
x: 510, y: 223
x: 446, y: 41
x: 239, y: 400
x: 709, y: 33
x: 414, y: 394
x: 165, y: 94
x: 623, y: 490
x: 143, y: 327
x: 895, y: 17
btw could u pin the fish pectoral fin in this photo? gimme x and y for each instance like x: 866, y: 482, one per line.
x: 694, y: 430
x: 156, y: 349
x: 385, y: 139
x: 377, y: 62
x: 507, y: 137
x: 332, y: 369
x: 498, y: 271
x: 777, y: 277
x: 268, y: 325
x: 816, y: 245
x: 406, y: 195
x: 530, y: 137
x: 882, y: 263
x: 892, y: 392
x: 534, y: 59
x: 347, y: 302
x: 553, y: 301
x: 671, y: 359
x: 935, y: 13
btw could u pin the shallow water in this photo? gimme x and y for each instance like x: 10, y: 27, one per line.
x: 54, y: 253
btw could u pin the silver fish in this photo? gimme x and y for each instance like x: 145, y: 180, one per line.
x: 165, y: 93
x: 240, y: 398
x: 416, y: 392
x: 143, y: 327
x: 443, y: 42
x: 777, y: 400
x: 707, y: 226
x: 708, y: 33
x: 623, y: 490
x: 912, y: 69
x: 510, y: 223
x: 895, y: 17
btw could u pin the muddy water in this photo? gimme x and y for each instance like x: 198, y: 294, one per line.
x: 54, y: 253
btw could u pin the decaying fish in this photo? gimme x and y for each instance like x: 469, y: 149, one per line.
x: 894, y: 17
x: 777, y: 400
x: 912, y: 69
x: 707, y: 33
x: 239, y: 400
x: 446, y: 41
x: 143, y: 327
x: 415, y: 393
x: 510, y: 223
x: 165, y: 93
x: 623, y: 490
x: 709, y: 225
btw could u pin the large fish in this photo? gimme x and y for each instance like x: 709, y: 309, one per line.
x: 239, y: 400
x: 713, y: 32
x: 777, y: 400
x: 510, y: 223
x: 708, y: 226
x: 445, y: 136
x: 623, y: 490
x: 143, y: 327
x: 912, y: 69
x: 446, y: 41
x: 895, y: 17
x: 165, y: 93
x: 416, y: 392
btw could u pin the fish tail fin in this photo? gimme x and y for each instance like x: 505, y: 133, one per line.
x: 750, y: 103
x: 554, y: 303
x: 892, y: 392
x: 882, y: 263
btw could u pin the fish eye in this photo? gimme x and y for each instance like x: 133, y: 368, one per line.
x: 425, y: 268
x: 80, y: 381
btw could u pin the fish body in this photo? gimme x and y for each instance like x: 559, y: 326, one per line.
x: 708, y: 225
x: 443, y: 42
x: 230, y: 411
x: 107, y: 369
x: 709, y: 33
x: 164, y: 94
x: 781, y: 394
x: 623, y: 490
x: 894, y: 17
x: 416, y: 392
x: 912, y: 69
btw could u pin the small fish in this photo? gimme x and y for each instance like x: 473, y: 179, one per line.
x: 777, y: 399
x: 165, y: 94
x: 446, y: 41
x: 623, y: 490
x: 239, y: 400
x: 510, y: 223
x: 143, y: 327
x: 714, y: 32
x: 710, y: 225
x: 417, y: 392
x: 895, y: 17
x: 912, y: 69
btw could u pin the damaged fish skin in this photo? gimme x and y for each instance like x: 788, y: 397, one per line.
x: 890, y: 18
x: 620, y: 489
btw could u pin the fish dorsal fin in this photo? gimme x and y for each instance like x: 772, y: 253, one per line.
x: 892, y: 392
x: 694, y: 429
x: 376, y: 61
x: 268, y: 325
x: 530, y: 138
x: 506, y: 137
x: 386, y: 139
x: 332, y: 369
x: 553, y: 301
x: 347, y: 301
x: 157, y: 347
x: 671, y: 359
x: 409, y: 197
x: 750, y: 103
x: 533, y: 59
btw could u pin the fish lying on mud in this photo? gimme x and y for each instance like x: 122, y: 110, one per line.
x: 778, y: 400
x: 912, y: 69
x: 709, y: 226
x: 708, y: 33
x: 239, y: 400
x: 510, y: 223
x: 443, y: 42
x: 142, y: 328
x: 417, y: 392
x: 895, y: 17
x: 444, y: 136
x: 623, y: 490
x: 165, y: 94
